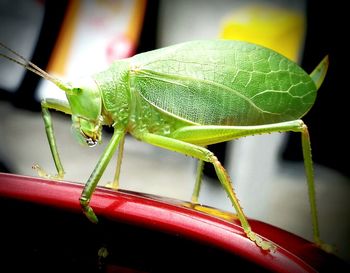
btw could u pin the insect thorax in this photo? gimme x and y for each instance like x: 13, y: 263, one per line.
x: 115, y: 91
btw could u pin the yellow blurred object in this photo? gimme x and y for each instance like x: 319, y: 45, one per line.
x: 277, y: 28
x: 212, y: 211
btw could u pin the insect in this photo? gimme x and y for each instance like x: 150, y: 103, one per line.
x: 183, y: 98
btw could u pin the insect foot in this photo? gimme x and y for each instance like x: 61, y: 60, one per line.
x: 44, y: 174
x: 88, y: 211
x: 265, y: 245
x: 112, y: 185
x: 326, y: 247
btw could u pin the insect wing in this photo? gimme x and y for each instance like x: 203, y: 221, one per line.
x: 223, y: 83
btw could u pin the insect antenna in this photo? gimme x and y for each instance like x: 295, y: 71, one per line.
x: 20, y: 60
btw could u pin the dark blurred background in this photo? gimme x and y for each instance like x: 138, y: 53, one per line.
x: 329, y: 118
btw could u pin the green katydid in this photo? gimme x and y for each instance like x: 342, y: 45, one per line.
x: 183, y: 98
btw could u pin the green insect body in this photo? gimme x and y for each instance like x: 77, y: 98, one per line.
x: 183, y: 98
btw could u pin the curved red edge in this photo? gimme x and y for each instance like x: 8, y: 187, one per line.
x: 293, y: 254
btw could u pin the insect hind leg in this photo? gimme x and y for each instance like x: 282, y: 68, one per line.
x: 210, y: 134
x: 204, y: 154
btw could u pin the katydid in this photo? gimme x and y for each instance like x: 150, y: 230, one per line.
x: 183, y: 98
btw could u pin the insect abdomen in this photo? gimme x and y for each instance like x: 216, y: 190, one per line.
x: 223, y: 83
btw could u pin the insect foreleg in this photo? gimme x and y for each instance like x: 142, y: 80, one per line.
x: 97, y: 173
x: 62, y: 107
x: 207, y: 156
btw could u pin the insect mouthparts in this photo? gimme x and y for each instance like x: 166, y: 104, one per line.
x: 90, y: 142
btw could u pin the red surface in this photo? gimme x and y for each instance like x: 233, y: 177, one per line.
x: 293, y: 254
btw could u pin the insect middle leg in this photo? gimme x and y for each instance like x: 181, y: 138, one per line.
x: 207, y: 156
x: 95, y: 176
x: 115, y: 183
x: 198, y: 183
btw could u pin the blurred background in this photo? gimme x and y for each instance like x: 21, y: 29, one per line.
x: 76, y: 38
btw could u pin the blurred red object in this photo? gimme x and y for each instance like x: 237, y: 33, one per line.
x: 137, y: 233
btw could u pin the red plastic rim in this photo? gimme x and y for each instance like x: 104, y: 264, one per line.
x: 293, y: 254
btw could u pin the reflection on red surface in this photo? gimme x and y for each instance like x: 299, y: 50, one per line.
x: 293, y: 254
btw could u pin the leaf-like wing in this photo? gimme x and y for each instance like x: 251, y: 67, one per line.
x: 223, y: 83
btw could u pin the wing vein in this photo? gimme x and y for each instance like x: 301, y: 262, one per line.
x: 173, y: 79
